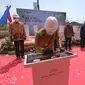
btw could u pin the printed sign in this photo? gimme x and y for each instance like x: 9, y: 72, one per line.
x: 38, y: 17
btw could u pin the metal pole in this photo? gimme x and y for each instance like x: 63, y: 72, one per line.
x: 38, y: 5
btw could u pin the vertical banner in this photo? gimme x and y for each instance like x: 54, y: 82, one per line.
x: 76, y: 32
x: 61, y: 32
x: 26, y: 30
x: 35, y: 29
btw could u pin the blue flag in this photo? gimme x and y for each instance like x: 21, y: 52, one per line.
x: 4, y: 18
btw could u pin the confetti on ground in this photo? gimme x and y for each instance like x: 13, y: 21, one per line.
x: 12, y: 72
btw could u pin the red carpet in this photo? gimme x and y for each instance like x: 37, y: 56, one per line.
x: 77, y: 68
x: 12, y: 72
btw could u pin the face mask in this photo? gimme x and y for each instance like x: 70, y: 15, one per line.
x: 50, y: 31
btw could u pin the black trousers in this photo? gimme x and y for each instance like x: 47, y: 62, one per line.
x: 67, y: 42
x: 82, y: 42
x: 19, y: 48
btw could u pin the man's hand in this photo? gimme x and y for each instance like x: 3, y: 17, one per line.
x: 62, y: 49
x: 39, y: 49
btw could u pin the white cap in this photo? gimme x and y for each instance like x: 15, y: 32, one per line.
x: 16, y: 16
x: 51, y: 25
x: 50, y: 19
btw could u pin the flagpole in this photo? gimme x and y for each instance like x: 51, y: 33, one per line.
x: 38, y: 5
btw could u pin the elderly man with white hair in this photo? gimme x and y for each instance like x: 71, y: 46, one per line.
x: 46, y: 36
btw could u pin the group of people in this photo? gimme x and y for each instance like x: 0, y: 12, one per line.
x: 44, y: 38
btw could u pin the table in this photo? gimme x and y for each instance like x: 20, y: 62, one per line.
x: 51, y: 71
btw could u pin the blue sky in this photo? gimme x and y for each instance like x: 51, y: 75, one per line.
x: 73, y: 8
